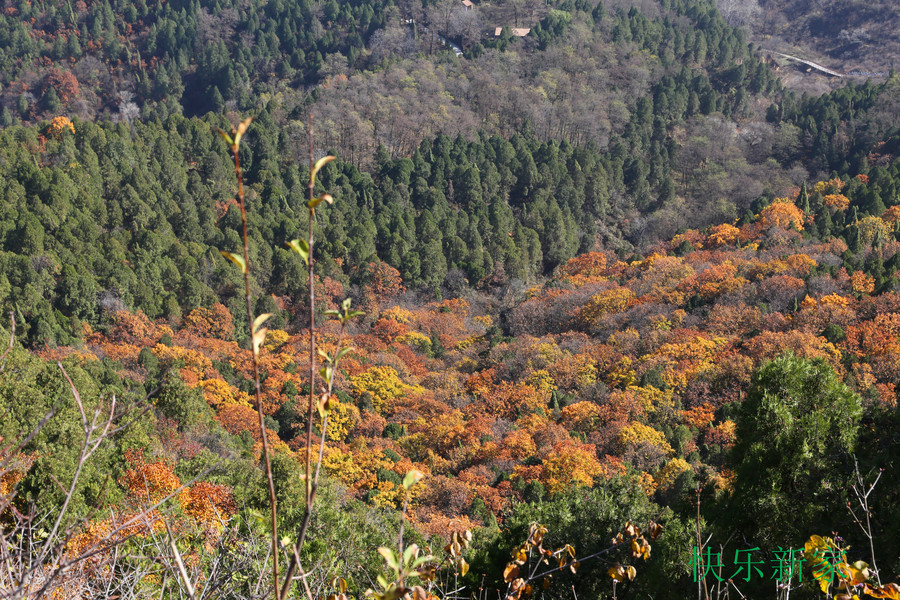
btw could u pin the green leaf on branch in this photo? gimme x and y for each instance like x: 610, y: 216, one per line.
x: 410, y: 552
x: 225, y: 137
x: 318, y: 166
x: 389, y: 558
x: 301, y: 247
x: 236, y: 259
x: 319, y: 199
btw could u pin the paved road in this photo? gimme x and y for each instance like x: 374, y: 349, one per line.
x: 816, y: 66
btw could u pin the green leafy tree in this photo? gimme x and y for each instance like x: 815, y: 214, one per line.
x: 792, y: 457
x: 588, y: 519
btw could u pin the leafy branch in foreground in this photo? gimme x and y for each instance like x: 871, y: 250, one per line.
x: 320, y: 402
x: 326, y: 400
x: 525, y: 568
x: 257, y: 332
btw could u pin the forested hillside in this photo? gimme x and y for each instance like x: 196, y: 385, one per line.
x: 610, y: 273
x: 633, y: 381
x: 851, y: 35
x: 104, y: 217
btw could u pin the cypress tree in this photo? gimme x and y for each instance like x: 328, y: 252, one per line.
x: 803, y: 199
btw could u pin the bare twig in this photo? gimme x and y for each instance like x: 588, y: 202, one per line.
x: 310, y: 481
x: 312, y: 326
x: 182, y: 572
x: 36, y: 564
x: 87, y: 449
x: 862, y: 492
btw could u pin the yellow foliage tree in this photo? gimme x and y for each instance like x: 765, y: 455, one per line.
x: 581, y: 416
x: 644, y: 445
x: 217, y: 392
x: 519, y: 445
x: 836, y: 202
x: 653, y: 399
x: 275, y: 338
x: 194, y: 361
x: 397, y: 314
x: 605, y: 303
x: 342, y: 418
x: 383, y: 384
x: 638, y: 433
x: 723, y: 235
x: 358, y: 470
x: 872, y: 227
x: 419, y: 341
x: 666, y: 476
x: 58, y: 125
x: 571, y: 466
x: 622, y: 375
x: 832, y: 186
x: 542, y: 381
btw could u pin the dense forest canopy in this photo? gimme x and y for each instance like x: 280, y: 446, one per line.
x: 611, y: 270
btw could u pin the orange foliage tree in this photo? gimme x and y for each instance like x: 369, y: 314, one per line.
x: 570, y: 465
x: 382, y: 283
x: 782, y: 214
x: 583, y: 268
x: 215, y: 322
x: 211, y: 504
x: 148, y: 481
